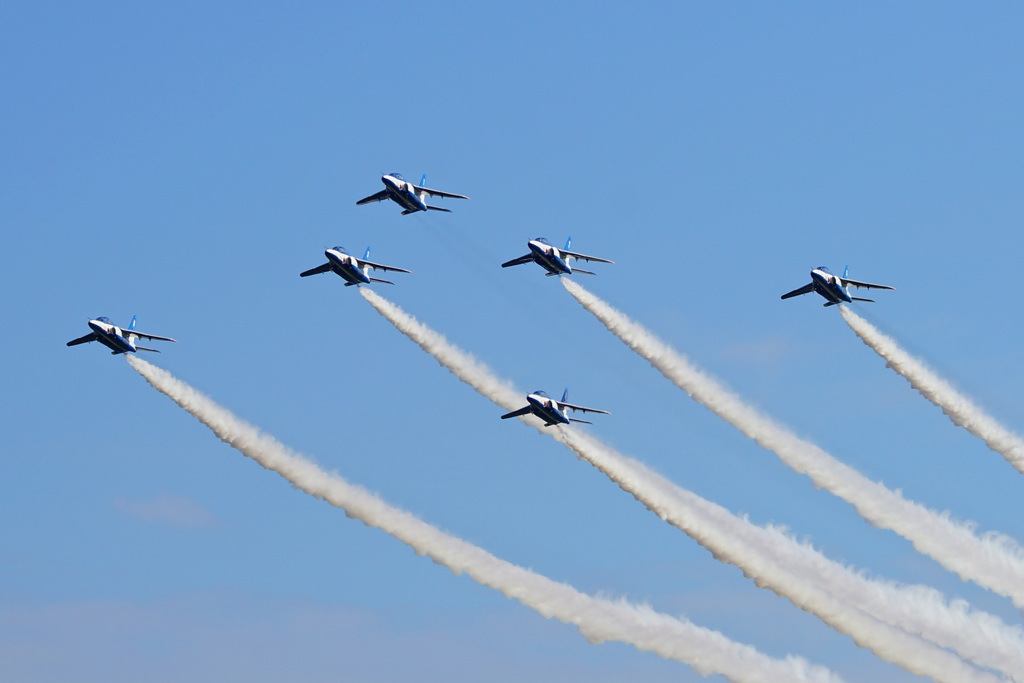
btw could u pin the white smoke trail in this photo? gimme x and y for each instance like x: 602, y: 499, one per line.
x: 955, y: 405
x: 993, y: 560
x: 733, y: 540
x: 597, y: 619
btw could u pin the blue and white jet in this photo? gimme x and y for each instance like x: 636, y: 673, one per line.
x: 408, y: 196
x: 118, y: 340
x: 552, y: 259
x: 834, y: 288
x: 550, y: 410
x: 353, y: 270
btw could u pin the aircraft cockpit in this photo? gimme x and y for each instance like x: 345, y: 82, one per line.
x: 824, y: 269
x: 104, y: 319
x: 341, y: 249
x: 396, y: 175
x: 543, y: 240
x: 541, y: 393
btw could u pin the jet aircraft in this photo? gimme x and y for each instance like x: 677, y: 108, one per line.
x: 353, y: 270
x: 834, y: 288
x: 550, y: 410
x: 118, y: 340
x: 552, y: 259
x: 408, y: 196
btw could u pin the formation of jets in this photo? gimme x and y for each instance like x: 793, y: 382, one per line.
x: 118, y: 340
x: 835, y: 289
x: 356, y: 272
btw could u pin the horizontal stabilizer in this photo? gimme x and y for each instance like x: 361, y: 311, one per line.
x: 438, y: 208
x: 387, y: 282
x: 580, y: 270
x: 830, y: 303
x: 143, y: 348
x: 870, y: 301
x: 573, y: 419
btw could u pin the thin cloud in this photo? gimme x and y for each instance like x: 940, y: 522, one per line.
x: 169, y: 509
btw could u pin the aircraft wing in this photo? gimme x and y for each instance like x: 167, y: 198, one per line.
x: 82, y: 340
x: 516, y: 413
x: 436, y: 193
x: 865, y: 285
x: 584, y: 257
x: 379, y: 266
x: 570, y: 406
x: 378, y: 197
x: 518, y: 261
x: 325, y: 268
x: 806, y: 289
x: 147, y: 336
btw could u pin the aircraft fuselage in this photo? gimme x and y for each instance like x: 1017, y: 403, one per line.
x: 547, y: 409
x: 347, y: 267
x: 112, y: 337
x: 828, y: 285
x: 403, y: 193
x: 549, y: 258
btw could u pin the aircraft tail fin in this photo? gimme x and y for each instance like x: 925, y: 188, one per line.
x: 846, y: 272
x: 423, y: 180
x: 568, y: 243
x: 366, y: 256
x: 132, y: 337
x: 565, y: 395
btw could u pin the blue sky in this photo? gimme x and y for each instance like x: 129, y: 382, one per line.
x: 184, y: 163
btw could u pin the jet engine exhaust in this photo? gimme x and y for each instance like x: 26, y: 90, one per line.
x: 957, y: 407
x: 994, y: 561
x: 597, y: 619
x: 759, y: 553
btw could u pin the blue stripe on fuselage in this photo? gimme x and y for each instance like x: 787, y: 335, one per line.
x: 552, y: 264
x: 350, y: 273
x: 407, y: 200
x: 549, y: 415
x: 832, y: 292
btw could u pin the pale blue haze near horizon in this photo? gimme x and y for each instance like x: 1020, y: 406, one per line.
x: 183, y: 162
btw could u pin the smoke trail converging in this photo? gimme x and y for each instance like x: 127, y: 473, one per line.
x: 759, y: 553
x: 955, y: 405
x: 597, y: 619
x: 993, y: 560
